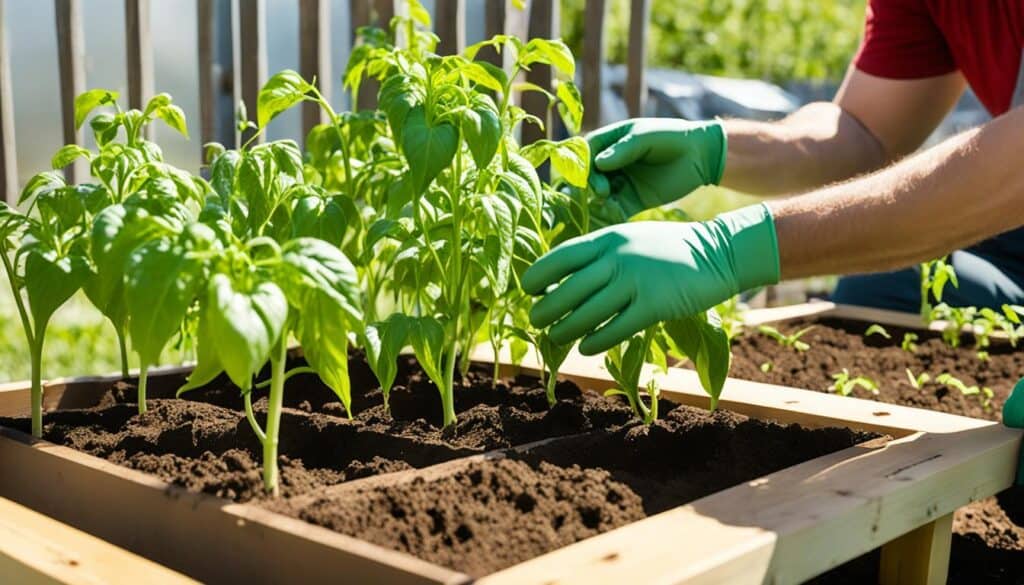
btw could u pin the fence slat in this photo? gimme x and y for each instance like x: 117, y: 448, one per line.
x: 450, y: 26
x: 252, y: 56
x: 543, y: 23
x: 8, y: 161
x: 207, y: 74
x: 71, y: 58
x: 494, y: 24
x: 138, y: 54
x: 315, y: 56
x: 377, y: 13
x: 593, y: 57
x: 636, y: 82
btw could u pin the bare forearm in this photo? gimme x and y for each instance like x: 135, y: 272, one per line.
x: 955, y: 194
x: 816, y: 145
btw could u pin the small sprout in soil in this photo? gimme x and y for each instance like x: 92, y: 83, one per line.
x: 767, y: 367
x: 984, y: 392
x: 918, y: 381
x: 908, y: 344
x: 845, y: 384
x: 790, y: 340
x: 877, y: 329
x: 982, y: 355
x: 934, y: 277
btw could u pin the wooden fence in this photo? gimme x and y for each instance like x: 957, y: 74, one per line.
x: 249, y: 70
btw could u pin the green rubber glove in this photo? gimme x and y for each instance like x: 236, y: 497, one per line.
x: 1013, y: 416
x: 646, y: 162
x: 631, y: 276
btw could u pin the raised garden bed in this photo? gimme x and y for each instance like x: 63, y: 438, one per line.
x: 588, y: 497
x: 988, y: 539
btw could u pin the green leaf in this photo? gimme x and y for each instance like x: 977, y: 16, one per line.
x: 418, y: 13
x: 281, y: 92
x: 174, y: 117
x: 570, y: 158
x: 551, y: 52
x: 245, y: 323
x: 50, y: 280
x: 702, y: 339
x: 384, y: 340
x: 877, y: 329
x: 482, y: 129
x: 428, y: 149
x: 41, y: 185
x: 570, y: 105
x: 552, y: 353
x: 500, y: 240
x: 485, y: 74
x: 208, y: 364
x: 323, y: 333
x: 91, y: 100
x: 161, y: 282
x: 104, y: 128
x: 67, y: 155
x: 317, y: 217
x: 428, y: 341
x: 309, y: 263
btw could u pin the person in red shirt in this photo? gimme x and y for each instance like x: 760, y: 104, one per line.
x: 868, y: 203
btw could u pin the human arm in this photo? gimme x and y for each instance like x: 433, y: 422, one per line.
x: 952, y: 195
x: 622, y: 279
x: 872, y: 121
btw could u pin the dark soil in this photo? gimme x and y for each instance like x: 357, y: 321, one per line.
x: 988, y: 545
x: 487, y: 515
x: 606, y: 470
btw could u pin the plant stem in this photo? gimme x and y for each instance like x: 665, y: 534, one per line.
x: 37, y: 389
x: 274, y: 404
x: 549, y: 386
x: 143, y: 375
x: 448, y: 389
x: 123, y: 347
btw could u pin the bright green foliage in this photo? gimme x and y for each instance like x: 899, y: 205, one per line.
x: 779, y: 40
x: 791, y: 340
x: 918, y: 381
x: 908, y: 344
x: 984, y: 393
x: 844, y: 383
x: 934, y: 277
x: 876, y: 329
x: 624, y: 363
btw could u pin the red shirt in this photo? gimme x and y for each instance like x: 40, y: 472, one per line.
x: 911, y: 39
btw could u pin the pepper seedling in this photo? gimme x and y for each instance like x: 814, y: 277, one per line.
x: 844, y: 383
x: 791, y: 340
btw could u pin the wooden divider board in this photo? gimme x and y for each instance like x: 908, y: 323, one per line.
x: 782, y: 528
x: 37, y: 550
x: 799, y: 522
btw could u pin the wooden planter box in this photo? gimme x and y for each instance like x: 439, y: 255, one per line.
x: 782, y: 528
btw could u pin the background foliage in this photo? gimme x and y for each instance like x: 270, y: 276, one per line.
x: 780, y: 40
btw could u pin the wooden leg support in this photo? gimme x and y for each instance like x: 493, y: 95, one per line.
x: 920, y: 557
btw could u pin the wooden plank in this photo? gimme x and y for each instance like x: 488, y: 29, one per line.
x: 365, y: 13
x: 252, y: 56
x: 203, y: 536
x: 8, y: 159
x: 71, y: 60
x: 593, y: 61
x: 758, y: 400
x: 543, y: 24
x: 206, y: 37
x: 636, y: 82
x: 494, y: 24
x: 920, y: 557
x: 139, y: 55
x: 315, y: 56
x: 37, y: 550
x: 794, y: 524
x: 450, y: 26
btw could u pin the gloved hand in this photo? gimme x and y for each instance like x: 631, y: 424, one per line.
x: 1013, y: 416
x: 646, y: 162
x: 638, y: 274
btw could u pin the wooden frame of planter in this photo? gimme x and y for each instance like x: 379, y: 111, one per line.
x: 782, y: 528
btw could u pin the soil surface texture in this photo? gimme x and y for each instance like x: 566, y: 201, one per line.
x: 607, y: 470
x: 988, y: 544
x: 486, y: 515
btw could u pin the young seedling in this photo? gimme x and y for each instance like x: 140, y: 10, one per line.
x: 766, y: 367
x: 934, y: 277
x: 918, y: 381
x: 624, y: 362
x: 908, y: 344
x: 787, y: 340
x: 951, y: 381
x: 844, y: 384
x: 877, y: 329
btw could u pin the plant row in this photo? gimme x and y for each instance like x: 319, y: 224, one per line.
x: 406, y: 226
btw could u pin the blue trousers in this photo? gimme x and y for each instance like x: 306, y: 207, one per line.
x: 986, y: 280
